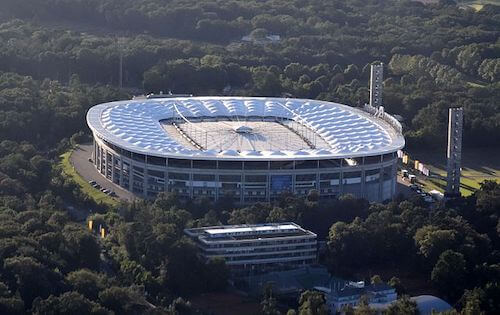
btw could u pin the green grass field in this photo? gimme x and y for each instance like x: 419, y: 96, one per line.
x: 478, y: 165
x: 478, y: 4
x: 96, y: 195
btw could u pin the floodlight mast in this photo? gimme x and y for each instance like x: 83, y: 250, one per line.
x: 454, y: 152
x: 376, y: 82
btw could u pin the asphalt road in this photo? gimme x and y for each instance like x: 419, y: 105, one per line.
x: 86, y: 169
x: 403, y: 187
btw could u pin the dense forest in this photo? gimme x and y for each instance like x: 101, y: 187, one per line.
x: 60, y: 57
x: 437, y: 55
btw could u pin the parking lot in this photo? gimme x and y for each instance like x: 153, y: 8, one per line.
x: 409, y: 186
x: 80, y: 160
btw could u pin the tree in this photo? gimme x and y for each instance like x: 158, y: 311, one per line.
x: 396, y: 284
x: 431, y: 241
x: 449, y: 273
x: 403, y: 306
x: 179, y: 306
x: 67, y: 303
x: 266, y: 83
x: 31, y: 278
x: 87, y: 282
x: 122, y: 300
x: 471, y: 302
x: 269, y: 303
x: 81, y: 247
x: 364, y: 309
x: 312, y: 303
x: 376, y: 279
x: 294, y: 70
x: 217, y: 274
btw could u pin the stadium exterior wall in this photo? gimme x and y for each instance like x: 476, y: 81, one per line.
x: 245, y: 181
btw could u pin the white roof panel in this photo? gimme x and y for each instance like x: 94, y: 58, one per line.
x: 349, y: 132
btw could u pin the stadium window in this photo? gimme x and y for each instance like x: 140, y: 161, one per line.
x: 306, y: 164
x: 372, y: 175
x: 138, y: 169
x: 230, y: 178
x: 230, y: 165
x: 180, y: 163
x: 388, y: 157
x: 256, y: 178
x: 181, y: 176
x: 305, y: 177
x: 281, y: 165
x: 352, y: 175
x: 329, y: 176
x: 330, y: 163
x: 156, y: 173
x: 204, y: 177
x: 372, y: 172
x: 204, y: 164
x: 154, y: 160
x: 388, y: 173
x: 372, y: 159
x: 256, y: 165
x: 126, y: 153
x: 139, y: 157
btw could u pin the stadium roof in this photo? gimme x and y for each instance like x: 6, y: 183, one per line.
x: 347, y: 132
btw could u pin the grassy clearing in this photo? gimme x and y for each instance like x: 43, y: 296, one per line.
x: 478, y: 165
x: 96, y: 195
x: 475, y: 84
x: 477, y: 5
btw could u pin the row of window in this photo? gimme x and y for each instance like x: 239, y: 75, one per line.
x: 270, y: 256
x: 252, y: 187
x: 237, y: 251
x: 259, y: 243
x: 250, y: 165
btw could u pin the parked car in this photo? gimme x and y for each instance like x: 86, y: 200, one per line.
x: 112, y: 194
x: 92, y: 182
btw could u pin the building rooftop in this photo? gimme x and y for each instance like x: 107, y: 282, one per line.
x: 247, y: 232
x: 322, y: 129
x: 228, y: 230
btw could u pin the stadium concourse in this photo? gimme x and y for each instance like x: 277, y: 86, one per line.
x: 249, y: 149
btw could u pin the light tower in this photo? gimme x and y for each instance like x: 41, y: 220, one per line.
x: 376, y: 78
x: 454, y: 152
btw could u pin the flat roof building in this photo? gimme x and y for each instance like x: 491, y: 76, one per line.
x: 379, y: 296
x: 261, y: 247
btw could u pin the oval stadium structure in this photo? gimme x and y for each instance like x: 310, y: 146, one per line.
x: 249, y: 149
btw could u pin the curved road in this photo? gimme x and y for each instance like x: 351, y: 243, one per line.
x: 80, y: 160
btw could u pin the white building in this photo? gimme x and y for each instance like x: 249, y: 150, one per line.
x: 378, y: 296
x: 257, y: 247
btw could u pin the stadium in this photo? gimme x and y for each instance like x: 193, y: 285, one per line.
x: 250, y: 149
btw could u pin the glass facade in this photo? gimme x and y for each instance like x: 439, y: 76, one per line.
x: 370, y: 177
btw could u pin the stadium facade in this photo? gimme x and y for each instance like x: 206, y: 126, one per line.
x: 249, y: 149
